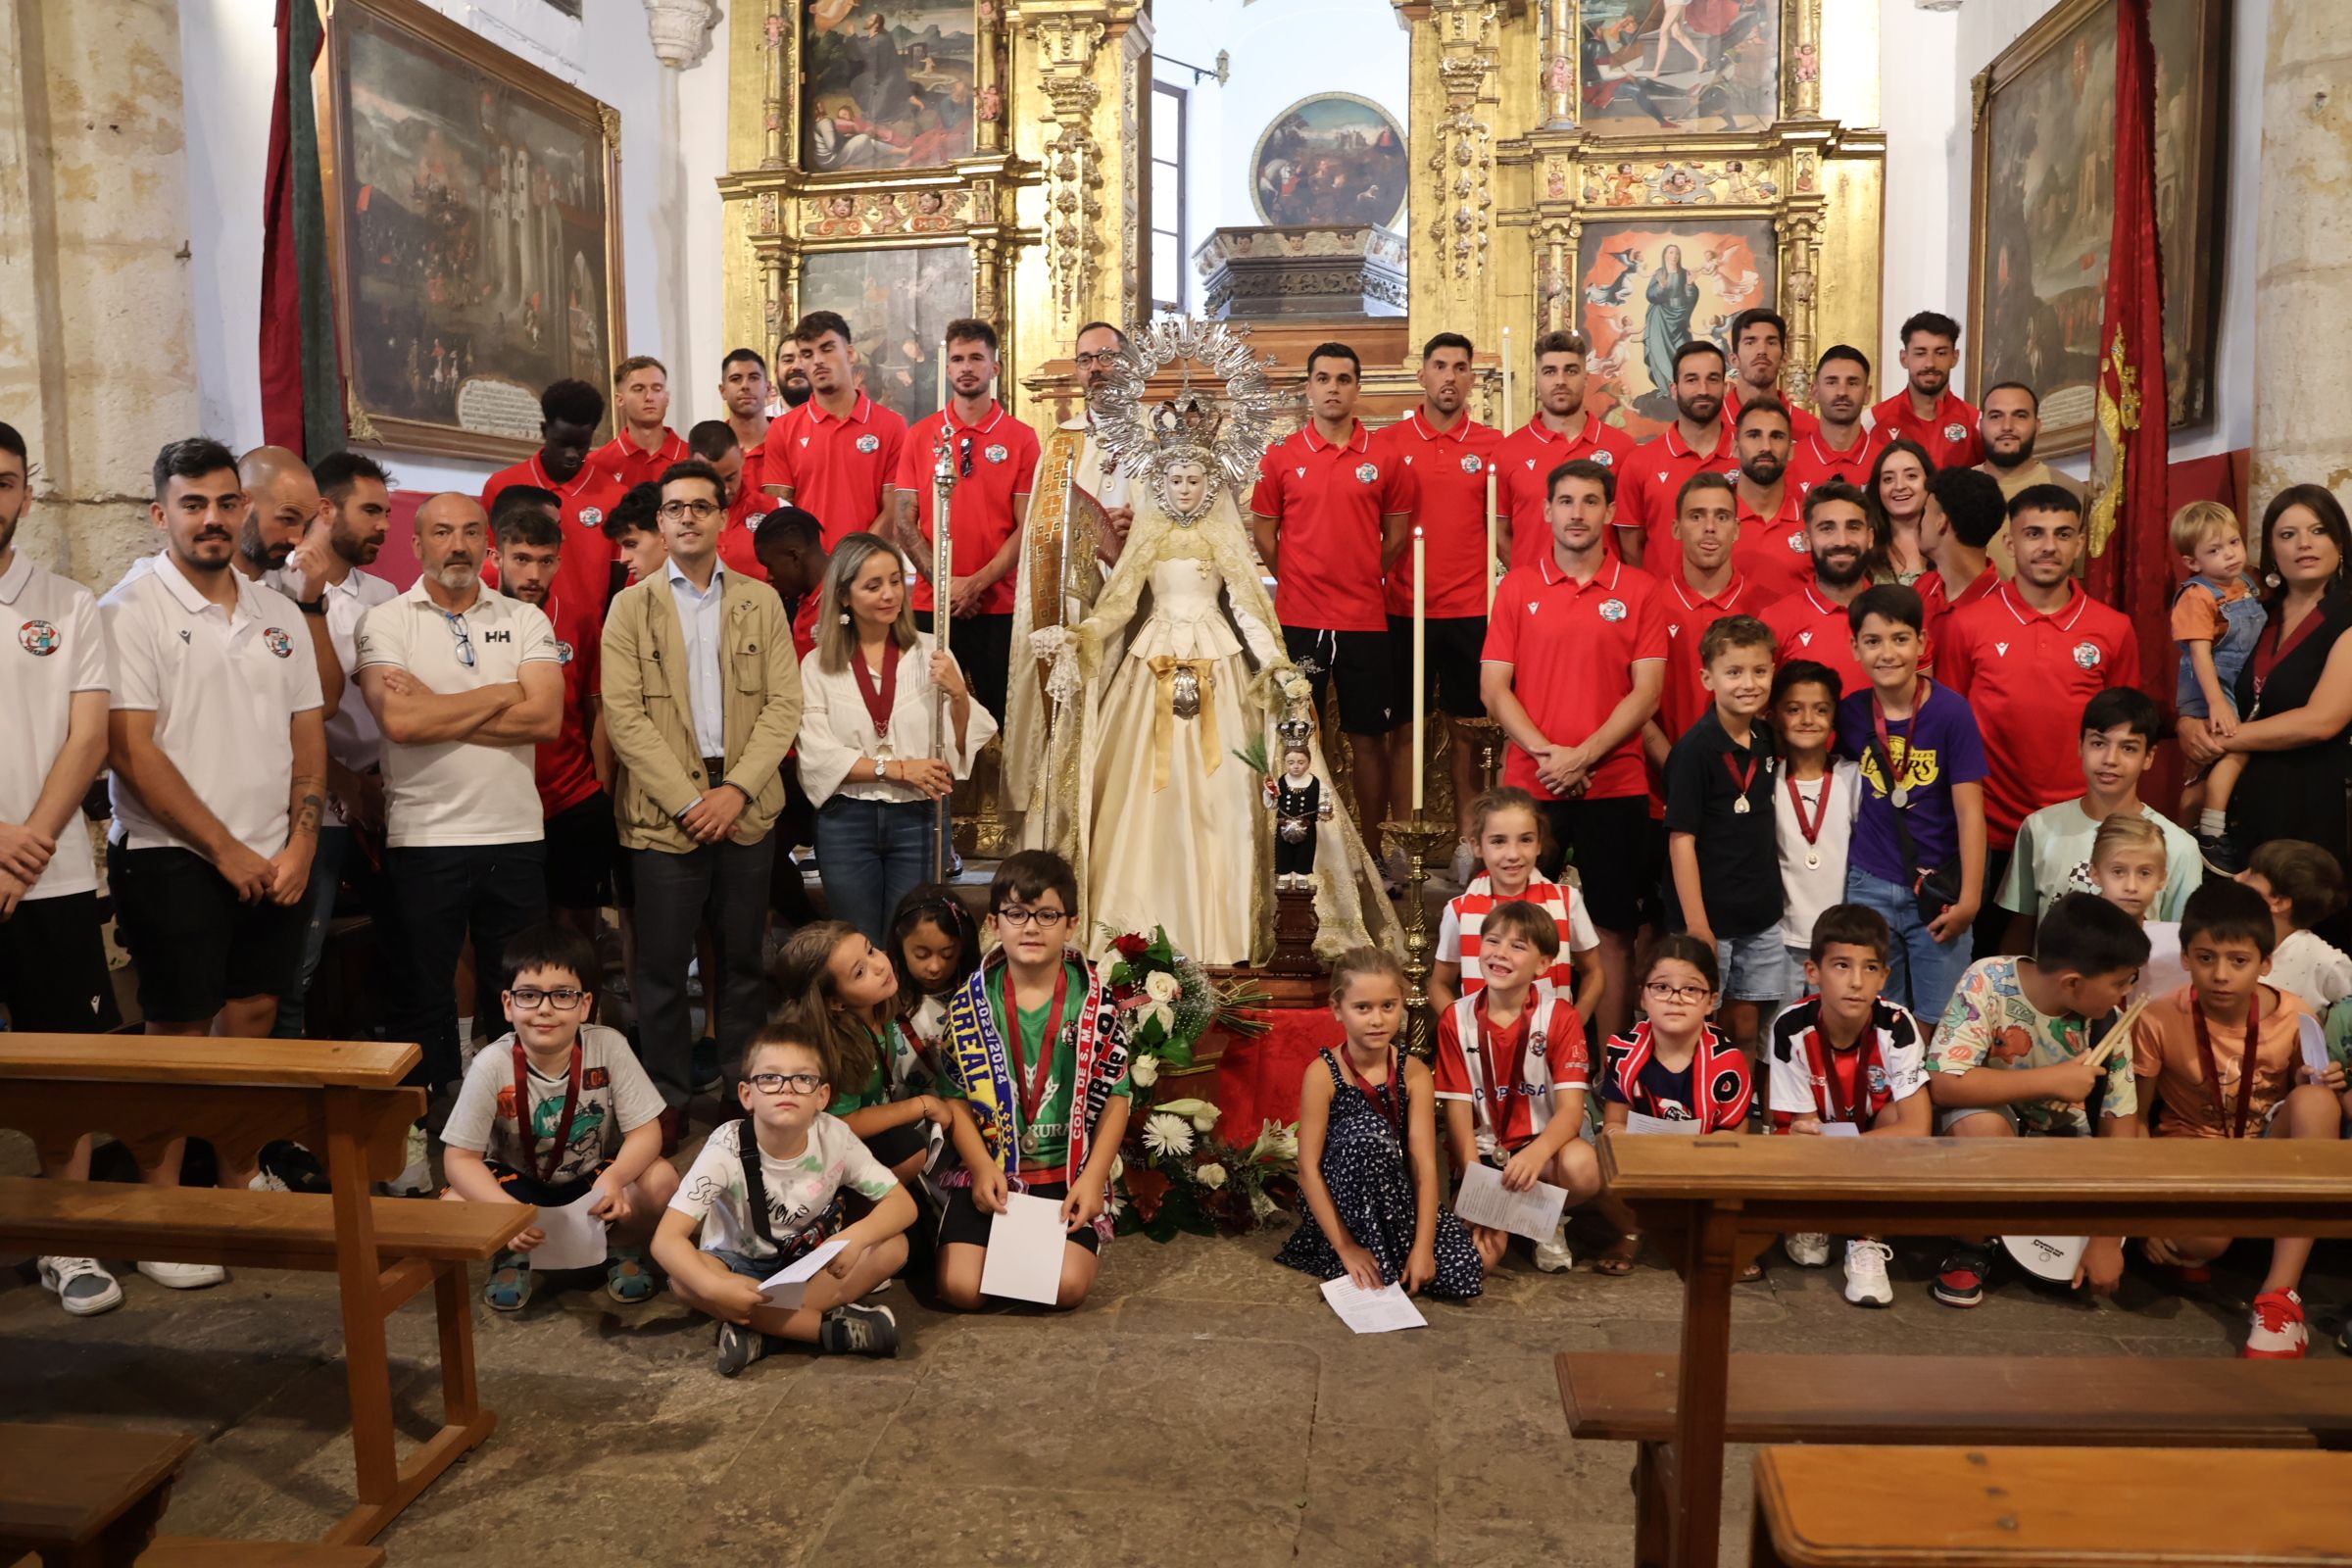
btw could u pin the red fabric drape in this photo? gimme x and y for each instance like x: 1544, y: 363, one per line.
x: 281, y: 275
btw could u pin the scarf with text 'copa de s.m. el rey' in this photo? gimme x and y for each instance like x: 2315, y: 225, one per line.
x: 984, y: 1067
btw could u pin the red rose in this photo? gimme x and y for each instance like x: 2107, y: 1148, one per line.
x: 1131, y: 945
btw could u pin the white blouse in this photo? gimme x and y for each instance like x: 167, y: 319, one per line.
x: 836, y: 730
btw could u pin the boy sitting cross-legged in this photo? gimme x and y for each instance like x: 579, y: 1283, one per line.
x: 2227, y: 1057
x: 1845, y: 1055
x: 2014, y: 1057
x: 765, y: 1192
x: 594, y: 1117
x: 1512, y: 1075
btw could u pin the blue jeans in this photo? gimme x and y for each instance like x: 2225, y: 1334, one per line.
x: 869, y: 853
x: 1920, y: 971
x: 317, y: 913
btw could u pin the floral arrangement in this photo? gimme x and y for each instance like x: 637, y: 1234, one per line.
x: 1170, y: 1003
x: 1178, y: 1175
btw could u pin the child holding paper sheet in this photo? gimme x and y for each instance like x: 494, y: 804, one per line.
x: 1368, y: 1151
x: 767, y: 1191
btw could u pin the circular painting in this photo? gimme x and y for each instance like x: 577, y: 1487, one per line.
x: 1330, y: 159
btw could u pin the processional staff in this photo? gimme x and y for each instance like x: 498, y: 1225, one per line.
x: 943, y: 491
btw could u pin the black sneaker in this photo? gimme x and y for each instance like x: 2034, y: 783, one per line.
x: 738, y: 1348
x: 703, y: 1066
x: 1961, y: 1280
x: 858, y: 1330
x: 2221, y: 853
x: 292, y: 1168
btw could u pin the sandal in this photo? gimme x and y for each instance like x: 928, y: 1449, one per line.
x: 1617, y: 1260
x: 626, y: 1278
x: 1750, y: 1274
x: 510, y: 1285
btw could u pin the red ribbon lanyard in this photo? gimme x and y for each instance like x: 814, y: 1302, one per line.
x: 1033, y: 1093
x: 1878, y: 724
x: 2245, y: 1067
x: 1825, y: 1058
x: 1390, y: 1112
x: 522, y: 1114
x: 1504, y: 1078
x: 1811, y: 830
x: 1742, y: 780
x: 881, y: 696
x: 2268, y: 660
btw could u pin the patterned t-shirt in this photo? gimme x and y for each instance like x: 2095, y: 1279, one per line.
x: 1802, y: 1063
x: 799, y: 1190
x: 617, y: 1099
x: 1051, y: 1122
x: 1990, y: 1024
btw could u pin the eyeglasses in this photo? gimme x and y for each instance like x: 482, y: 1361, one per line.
x: 1043, y: 919
x: 563, y: 999
x: 457, y: 629
x: 680, y: 510
x: 1660, y: 991
x: 775, y: 1083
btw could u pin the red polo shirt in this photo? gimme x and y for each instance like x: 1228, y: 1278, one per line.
x: 564, y: 766
x: 1329, y: 500
x: 1449, y: 471
x: 1810, y: 625
x: 1652, y: 477
x: 1800, y: 424
x: 996, y: 463
x: 1572, y: 647
x: 1935, y: 607
x: 803, y: 624
x: 1688, y: 615
x: 1813, y: 461
x: 838, y: 469
x: 1949, y: 435
x: 634, y: 463
x: 1530, y: 453
x: 584, y: 572
x: 2027, y: 675
x: 1772, y: 552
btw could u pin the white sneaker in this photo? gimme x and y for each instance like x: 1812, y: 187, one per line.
x: 1554, y: 1256
x: 416, y: 1178
x: 1465, y: 863
x: 84, y: 1289
x: 1807, y: 1249
x: 1866, y: 1273
x: 184, y: 1276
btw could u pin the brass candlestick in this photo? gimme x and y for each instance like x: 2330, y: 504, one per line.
x: 988, y: 776
x: 1487, y: 736
x: 1418, y: 840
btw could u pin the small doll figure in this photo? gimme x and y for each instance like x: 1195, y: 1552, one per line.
x: 1296, y: 801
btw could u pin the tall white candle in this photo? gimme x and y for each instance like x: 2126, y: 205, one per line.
x: 1420, y: 660
x: 1507, y: 380
x: 1493, y: 535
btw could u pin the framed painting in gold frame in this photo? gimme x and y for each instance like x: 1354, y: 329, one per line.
x: 1670, y: 68
x: 886, y: 87
x: 1645, y: 286
x: 473, y: 221
x: 897, y: 301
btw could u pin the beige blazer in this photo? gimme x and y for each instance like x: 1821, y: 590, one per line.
x: 651, y: 723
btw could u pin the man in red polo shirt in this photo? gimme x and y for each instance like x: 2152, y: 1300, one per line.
x: 1771, y: 553
x: 1655, y: 472
x: 2028, y: 656
x: 1841, y: 445
x: 645, y: 446
x: 1812, y: 622
x: 837, y: 454
x: 1448, y: 454
x: 1574, y: 663
x: 1927, y: 410
x: 1329, y: 520
x: 1964, y: 511
x: 995, y: 458
x: 712, y: 441
x: 743, y: 386
x: 1706, y: 587
x: 568, y: 413
x: 1561, y: 431
x: 1759, y: 349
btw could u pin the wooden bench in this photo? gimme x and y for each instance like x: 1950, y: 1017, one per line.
x: 342, y: 1099
x: 1969, y: 1507
x: 1707, y: 1201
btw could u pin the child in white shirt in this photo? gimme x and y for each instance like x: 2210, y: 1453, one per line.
x: 2303, y: 886
x: 1813, y: 804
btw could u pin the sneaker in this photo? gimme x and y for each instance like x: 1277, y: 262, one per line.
x: 416, y: 1178
x: 703, y: 1066
x: 294, y: 1168
x: 1554, y: 1256
x: 855, y: 1330
x: 184, y: 1276
x: 1961, y: 1280
x: 739, y: 1347
x: 83, y: 1288
x: 1807, y: 1249
x: 1866, y: 1273
x: 2219, y: 852
x: 1465, y: 863
x: 2279, y: 1334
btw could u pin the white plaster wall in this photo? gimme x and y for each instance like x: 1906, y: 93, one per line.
x: 673, y: 147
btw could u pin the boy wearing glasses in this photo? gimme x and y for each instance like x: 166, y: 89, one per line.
x: 555, y: 1109
x: 767, y: 1191
x: 1036, y: 1068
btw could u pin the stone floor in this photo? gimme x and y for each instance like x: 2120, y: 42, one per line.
x: 1203, y: 1406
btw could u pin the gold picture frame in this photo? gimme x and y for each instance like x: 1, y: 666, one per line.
x: 473, y: 229
x: 894, y: 90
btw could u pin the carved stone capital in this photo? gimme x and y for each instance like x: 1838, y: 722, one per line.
x: 681, y: 30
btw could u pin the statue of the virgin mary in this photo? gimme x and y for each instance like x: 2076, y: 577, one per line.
x: 1166, y: 698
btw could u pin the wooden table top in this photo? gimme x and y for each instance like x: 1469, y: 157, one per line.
x: 161, y: 1059
x: 61, y: 1486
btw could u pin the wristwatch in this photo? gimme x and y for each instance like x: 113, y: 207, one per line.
x: 311, y: 606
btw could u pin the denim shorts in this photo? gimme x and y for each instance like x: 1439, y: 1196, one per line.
x: 1755, y: 968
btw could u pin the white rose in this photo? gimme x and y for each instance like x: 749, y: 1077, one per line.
x: 1161, y: 986
x: 1143, y: 1071
x: 1212, y: 1175
x: 1156, y: 1012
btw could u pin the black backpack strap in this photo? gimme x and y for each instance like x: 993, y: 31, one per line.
x: 755, y: 1188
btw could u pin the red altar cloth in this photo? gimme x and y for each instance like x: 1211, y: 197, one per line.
x: 1258, y: 1080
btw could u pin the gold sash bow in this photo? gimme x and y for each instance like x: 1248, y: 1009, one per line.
x: 1163, y: 721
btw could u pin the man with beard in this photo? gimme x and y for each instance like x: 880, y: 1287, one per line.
x: 1654, y: 476
x: 1927, y: 410
x: 282, y: 505
x: 792, y: 380
x: 465, y: 684
x: 1759, y: 348
x: 2012, y: 423
x: 834, y: 454
x: 1771, y: 553
x: 1841, y: 447
x: 1561, y: 431
x: 1812, y: 622
x: 568, y: 413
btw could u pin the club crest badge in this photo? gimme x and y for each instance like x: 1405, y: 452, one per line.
x: 997, y: 454
x: 39, y: 638
x: 1612, y: 609
x: 1604, y: 456
x: 1366, y: 472
x: 591, y: 516
x: 562, y: 652
x: 1877, y: 1079
x: 869, y: 444
x: 2086, y: 656
x: 1471, y: 464
x: 275, y: 639
x: 1797, y: 542
x: 1955, y: 432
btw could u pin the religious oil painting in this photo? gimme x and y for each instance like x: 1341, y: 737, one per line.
x: 2045, y: 204
x: 897, y: 304
x: 885, y: 83
x: 1330, y: 159
x: 1645, y: 287
x: 473, y: 202
x: 1658, y: 65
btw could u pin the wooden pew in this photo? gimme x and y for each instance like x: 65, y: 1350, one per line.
x: 1707, y: 1201
x: 344, y: 1100
x: 1961, y: 1507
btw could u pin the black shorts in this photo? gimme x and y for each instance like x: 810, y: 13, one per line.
x: 965, y: 1225
x: 582, y: 847
x: 982, y: 646
x: 1615, y: 847
x: 894, y: 1144
x: 1372, y: 701
x: 1452, y: 651
x: 527, y: 1189
x: 194, y: 945
x: 53, y: 977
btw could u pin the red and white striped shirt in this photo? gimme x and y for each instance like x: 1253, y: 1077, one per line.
x: 1459, y: 928
x: 1508, y: 1075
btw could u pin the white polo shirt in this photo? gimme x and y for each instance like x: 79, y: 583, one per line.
x: 352, y: 736
x: 457, y: 792
x: 56, y: 647
x: 224, y: 688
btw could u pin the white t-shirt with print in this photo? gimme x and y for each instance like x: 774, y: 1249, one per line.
x: 58, y: 651
x: 798, y: 1190
x: 2312, y: 968
x: 616, y: 1098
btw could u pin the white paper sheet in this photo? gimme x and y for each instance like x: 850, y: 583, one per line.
x: 575, y: 1238
x: 1482, y: 1199
x: 1839, y: 1129
x: 1024, y: 1251
x: 1636, y: 1122
x: 788, y: 1285
x: 1381, y: 1311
